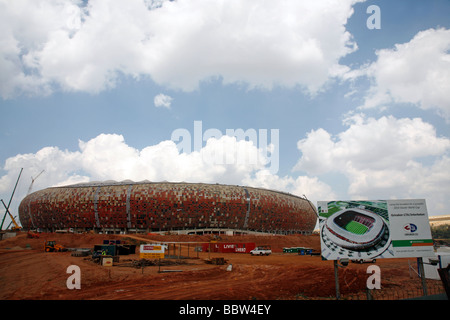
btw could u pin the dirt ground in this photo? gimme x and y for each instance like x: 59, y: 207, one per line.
x: 29, y: 273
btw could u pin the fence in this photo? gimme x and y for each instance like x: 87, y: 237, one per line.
x: 412, y: 290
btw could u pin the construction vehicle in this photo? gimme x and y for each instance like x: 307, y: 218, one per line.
x: 52, y: 246
x: 32, y: 235
x: 215, y: 238
x: 16, y: 226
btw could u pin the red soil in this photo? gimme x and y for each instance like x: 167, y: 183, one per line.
x: 27, y: 272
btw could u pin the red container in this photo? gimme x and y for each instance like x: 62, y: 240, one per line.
x: 244, y: 247
x: 228, y: 247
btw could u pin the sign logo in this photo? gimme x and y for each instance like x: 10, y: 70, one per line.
x: 410, y: 227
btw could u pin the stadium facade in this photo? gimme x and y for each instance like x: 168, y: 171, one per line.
x: 151, y: 207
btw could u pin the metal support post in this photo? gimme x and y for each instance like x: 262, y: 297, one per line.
x: 422, y: 275
x: 336, y: 280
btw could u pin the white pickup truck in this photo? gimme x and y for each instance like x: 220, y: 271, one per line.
x: 261, y: 251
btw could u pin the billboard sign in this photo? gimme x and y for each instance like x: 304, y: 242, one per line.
x: 374, y: 229
x: 151, y: 251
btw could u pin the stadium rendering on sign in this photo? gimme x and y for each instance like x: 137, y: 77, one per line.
x: 122, y: 207
x: 355, y: 229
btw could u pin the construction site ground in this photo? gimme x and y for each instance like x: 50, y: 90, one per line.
x: 29, y: 273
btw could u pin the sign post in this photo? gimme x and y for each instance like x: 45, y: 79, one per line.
x: 336, y: 280
x: 369, y: 230
x: 422, y: 276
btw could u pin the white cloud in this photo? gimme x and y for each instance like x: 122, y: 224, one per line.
x: 370, y: 143
x: 59, y: 166
x: 109, y: 157
x: 416, y: 72
x: 162, y: 100
x: 311, y: 187
x: 26, y: 27
x: 224, y: 160
x: 64, y: 44
x: 382, y: 158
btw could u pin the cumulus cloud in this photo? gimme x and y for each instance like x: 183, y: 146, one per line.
x: 73, y: 46
x: 416, y: 72
x: 382, y: 158
x: 162, y: 100
x: 225, y: 159
x: 108, y: 157
x: 370, y: 143
x: 311, y: 187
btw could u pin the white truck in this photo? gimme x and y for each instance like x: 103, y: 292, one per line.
x: 261, y: 251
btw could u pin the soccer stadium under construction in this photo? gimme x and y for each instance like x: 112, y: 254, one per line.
x: 123, y: 207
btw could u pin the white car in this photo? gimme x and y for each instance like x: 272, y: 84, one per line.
x: 261, y: 251
x: 364, y: 260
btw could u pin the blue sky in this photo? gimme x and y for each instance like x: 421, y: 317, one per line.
x: 361, y: 113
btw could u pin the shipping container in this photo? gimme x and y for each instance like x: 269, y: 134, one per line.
x: 110, y: 250
x: 245, y: 247
x: 228, y: 247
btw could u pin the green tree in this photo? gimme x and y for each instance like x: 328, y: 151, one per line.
x: 441, y: 231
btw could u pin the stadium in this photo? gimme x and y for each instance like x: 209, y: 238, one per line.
x: 124, y: 207
x: 355, y: 229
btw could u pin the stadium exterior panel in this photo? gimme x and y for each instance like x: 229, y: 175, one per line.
x: 150, y: 207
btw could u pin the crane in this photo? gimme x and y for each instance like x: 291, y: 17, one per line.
x: 32, y: 181
x: 30, y: 221
x: 7, y: 207
x: 16, y: 225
